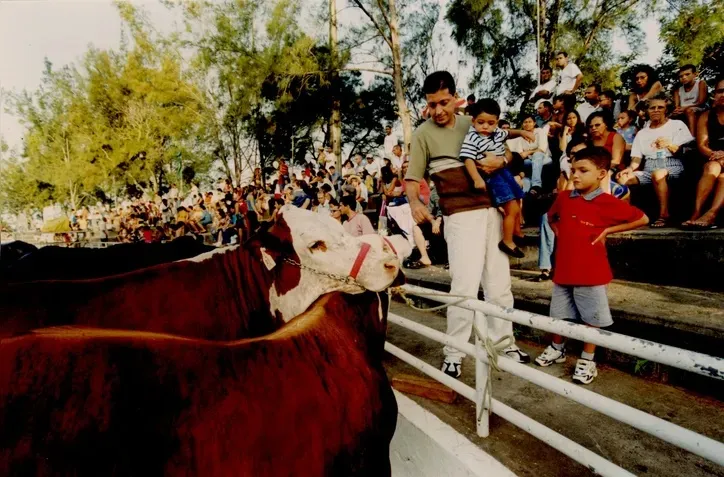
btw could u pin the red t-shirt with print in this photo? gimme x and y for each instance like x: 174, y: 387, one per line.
x: 580, y: 219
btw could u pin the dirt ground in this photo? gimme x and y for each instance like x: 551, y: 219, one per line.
x: 525, y: 455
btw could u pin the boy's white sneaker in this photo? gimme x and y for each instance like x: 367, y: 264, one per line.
x: 452, y: 367
x: 585, y: 371
x: 550, y: 355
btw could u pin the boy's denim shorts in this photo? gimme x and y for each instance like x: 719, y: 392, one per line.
x: 502, y: 187
x: 586, y: 304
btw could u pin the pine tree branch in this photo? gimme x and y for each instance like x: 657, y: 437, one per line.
x: 370, y: 70
x: 369, y: 15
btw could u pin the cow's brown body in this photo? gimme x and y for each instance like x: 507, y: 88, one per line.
x: 224, y: 297
x: 311, y: 399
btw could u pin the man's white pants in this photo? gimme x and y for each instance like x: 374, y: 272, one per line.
x: 472, y: 242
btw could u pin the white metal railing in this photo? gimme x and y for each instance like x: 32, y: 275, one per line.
x: 669, y: 432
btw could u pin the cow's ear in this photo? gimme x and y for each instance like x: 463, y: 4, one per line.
x: 273, y: 236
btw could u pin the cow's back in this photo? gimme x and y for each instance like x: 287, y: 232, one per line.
x: 222, y: 298
x: 311, y: 399
x: 61, y: 263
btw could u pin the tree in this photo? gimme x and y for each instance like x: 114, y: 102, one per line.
x: 693, y: 32
x: 501, y: 37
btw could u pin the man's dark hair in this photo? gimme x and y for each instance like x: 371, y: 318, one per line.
x: 719, y: 79
x: 485, y: 105
x: 203, y: 207
x: 471, y: 97
x: 349, y: 201
x: 438, y: 81
x: 562, y: 52
x: 688, y: 66
x: 326, y: 188
x: 547, y: 68
x: 597, y: 155
x: 547, y: 105
x: 605, y: 116
x: 596, y: 87
x: 503, y: 122
x: 609, y: 94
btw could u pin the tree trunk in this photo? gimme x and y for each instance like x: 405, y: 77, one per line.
x: 402, y: 110
x: 335, y: 120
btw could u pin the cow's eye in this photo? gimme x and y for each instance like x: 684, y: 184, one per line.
x: 318, y: 246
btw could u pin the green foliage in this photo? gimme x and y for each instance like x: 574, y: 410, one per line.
x: 501, y: 37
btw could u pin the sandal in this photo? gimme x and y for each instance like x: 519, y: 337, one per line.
x: 416, y: 265
x: 544, y: 276
x: 659, y: 223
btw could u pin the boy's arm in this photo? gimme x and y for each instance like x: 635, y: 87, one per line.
x: 703, y: 94
x: 622, y: 228
x: 473, y: 171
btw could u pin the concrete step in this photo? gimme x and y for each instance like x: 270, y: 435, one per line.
x: 687, y: 318
x: 690, y: 259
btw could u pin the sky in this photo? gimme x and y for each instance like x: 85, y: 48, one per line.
x: 62, y: 30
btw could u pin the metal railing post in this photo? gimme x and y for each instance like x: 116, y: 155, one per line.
x: 482, y: 369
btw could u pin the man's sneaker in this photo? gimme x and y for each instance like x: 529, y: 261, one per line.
x: 516, y: 354
x: 550, y: 355
x: 585, y: 371
x: 452, y: 368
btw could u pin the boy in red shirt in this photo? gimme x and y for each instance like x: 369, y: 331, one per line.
x: 581, y: 220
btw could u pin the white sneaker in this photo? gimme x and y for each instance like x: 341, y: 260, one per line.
x: 516, y: 354
x: 452, y: 368
x: 585, y: 371
x: 550, y: 355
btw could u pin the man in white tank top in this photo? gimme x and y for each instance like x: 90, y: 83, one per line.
x: 690, y: 99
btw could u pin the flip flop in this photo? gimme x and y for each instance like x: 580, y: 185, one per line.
x: 659, y: 223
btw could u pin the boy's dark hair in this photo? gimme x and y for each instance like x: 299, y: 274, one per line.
x: 688, y: 66
x: 326, y: 188
x: 437, y: 81
x: 596, y: 87
x: 503, y: 122
x: 485, y: 105
x: 471, y: 97
x: 349, y: 201
x: 609, y: 94
x: 562, y: 52
x: 718, y: 79
x: 597, y: 155
x: 547, y: 68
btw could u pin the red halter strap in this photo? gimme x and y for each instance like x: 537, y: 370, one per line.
x: 363, y: 251
x: 387, y: 241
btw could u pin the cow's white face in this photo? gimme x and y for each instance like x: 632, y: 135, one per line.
x: 323, y: 247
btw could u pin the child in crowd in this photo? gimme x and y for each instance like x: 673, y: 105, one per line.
x: 691, y: 98
x: 581, y: 219
x: 484, y: 137
x: 626, y: 127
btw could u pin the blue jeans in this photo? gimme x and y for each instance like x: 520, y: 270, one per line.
x: 547, y: 242
x: 536, y: 163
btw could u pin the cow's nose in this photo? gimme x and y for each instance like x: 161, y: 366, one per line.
x: 391, y: 265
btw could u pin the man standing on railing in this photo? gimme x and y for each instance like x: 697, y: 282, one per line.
x: 473, y: 228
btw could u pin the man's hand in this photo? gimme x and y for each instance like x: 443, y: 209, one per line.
x: 601, y: 238
x: 678, y: 111
x: 436, y: 225
x: 420, y: 212
x: 624, y: 174
x: 491, y: 163
x: 527, y: 135
x: 717, y: 156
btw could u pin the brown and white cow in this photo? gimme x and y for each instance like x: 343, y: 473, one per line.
x: 311, y: 399
x: 238, y: 293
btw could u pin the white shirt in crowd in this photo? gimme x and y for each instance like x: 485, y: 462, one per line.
x: 397, y: 161
x: 373, y: 168
x: 689, y: 98
x: 549, y: 86
x: 519, y: 144
x: 330, y: 160
x: 390, y: 142
x: 585, y: 109
x: 674, y: 130
x: 567, y: 78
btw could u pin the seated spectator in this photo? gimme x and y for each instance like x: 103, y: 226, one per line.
x: 601, y: 134
x: 544, y: 91
x: 396, y: 158
x: 361, y: 194
x: 710, y: 139
x: 206, y: 218
x: 391, y: 187
x: 429, y: 231
x: 592, y: 103
x: 626, y: 127
x: 574, y: 132
x: 503, y: 124
x: 347, y: 169
x: 690, y: 99
x: 570, y: 79
x: 535, y: 153
x: 645, y: 85
x: 334, y: 210
x: 373, y: 168
x: 607, y: 104
x: 657, y: 144
x: 545, y: 114
x: 356, y: 224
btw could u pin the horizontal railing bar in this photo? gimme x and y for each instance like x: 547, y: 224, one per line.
x: 692, y: 361
x: 575, y: 451
x: 664, y: 430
